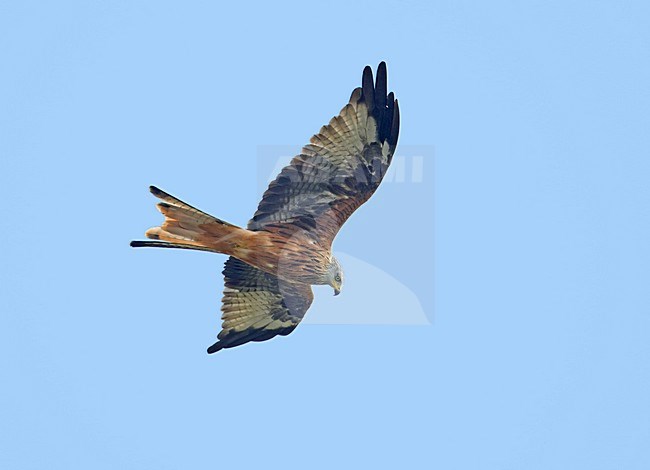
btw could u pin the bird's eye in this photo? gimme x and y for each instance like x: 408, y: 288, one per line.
x: 337, y: 278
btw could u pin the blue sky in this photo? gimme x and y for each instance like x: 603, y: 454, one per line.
x: 524, y: 244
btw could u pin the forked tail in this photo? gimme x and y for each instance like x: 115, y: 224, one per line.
x: 187, y: 227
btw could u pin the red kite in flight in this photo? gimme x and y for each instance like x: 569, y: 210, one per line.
x: 286, y: 246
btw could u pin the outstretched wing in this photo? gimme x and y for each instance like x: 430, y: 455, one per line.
x: 335, y: 173
x: 339, y: 169
x: 258, y: 306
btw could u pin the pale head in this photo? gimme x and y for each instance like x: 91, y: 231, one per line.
x: 335, y: 275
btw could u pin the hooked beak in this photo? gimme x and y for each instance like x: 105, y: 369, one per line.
x: 336, y: 291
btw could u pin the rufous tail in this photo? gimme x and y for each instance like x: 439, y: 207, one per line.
x: 189, y: 228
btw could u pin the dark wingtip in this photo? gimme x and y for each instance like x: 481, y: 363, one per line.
x: 394, y: 129
x: 215, y: 347
x: 381, y: 85
x: 155, y: 191
x: 135, y: 244
x: 368, y: 88
x: 381, y: 104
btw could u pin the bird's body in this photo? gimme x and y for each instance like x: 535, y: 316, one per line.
x: 268, y: 250
x: 286, y: 246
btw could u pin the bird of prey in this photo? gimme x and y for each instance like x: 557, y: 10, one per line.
x: 287, y: 245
